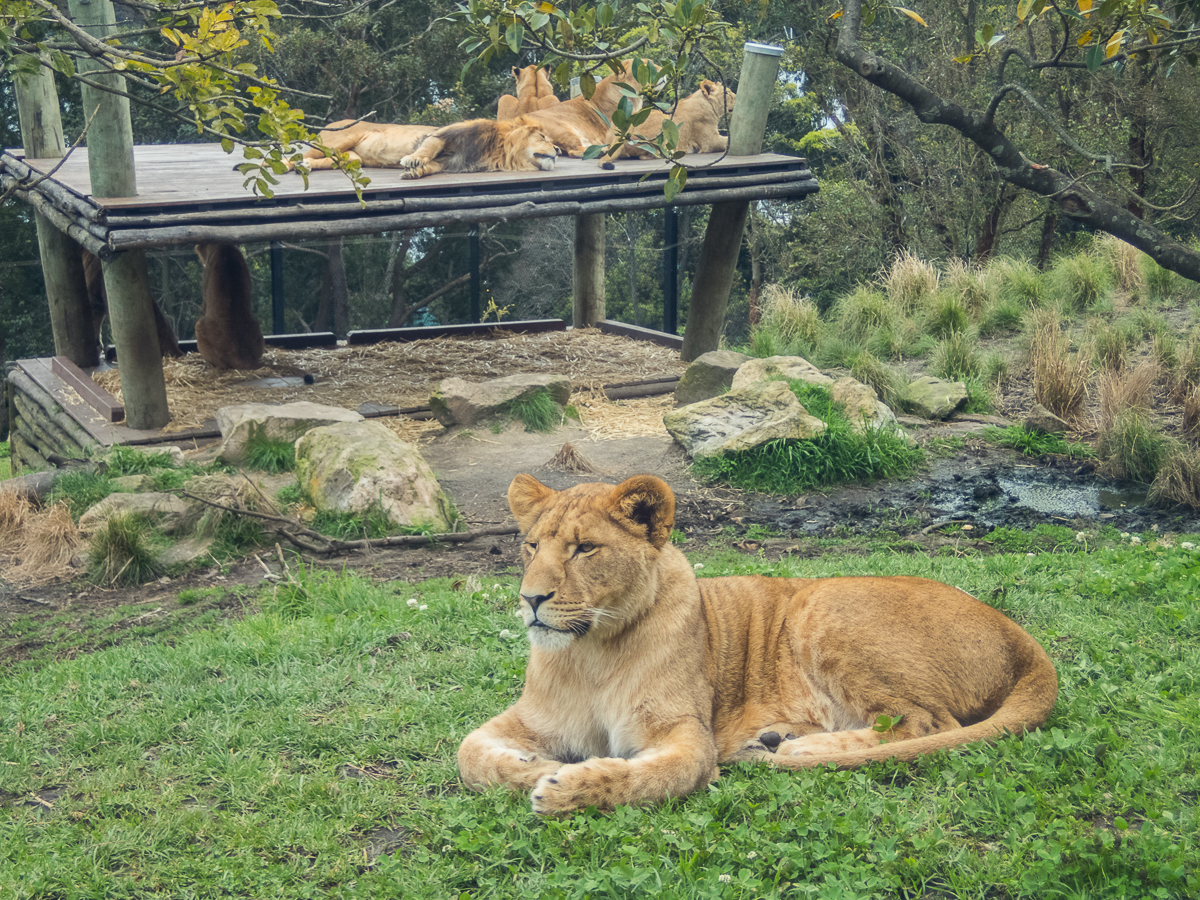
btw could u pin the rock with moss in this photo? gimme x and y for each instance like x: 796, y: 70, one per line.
x: 245, y: 423
x: 773, y: 368
x: 460, y: 402
x: 709, y: 375
x: 168, y: 512
x: 861, y: 405
x: 932, y: 398
x: 1042, y: 421
x: 353, y: 467
x: 741, y: 419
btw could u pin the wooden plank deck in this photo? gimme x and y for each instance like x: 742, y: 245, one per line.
x: 191, y: 193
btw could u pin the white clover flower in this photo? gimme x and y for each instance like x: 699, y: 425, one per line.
x: 505, y: 634
x: 1080, y: 537
x: 698, y: 566
x: 1188, y: 545
x: 412, y: 601
x: 485, y: 596
x: 422, y: 606
x: 725, y: 879
x: 1135, y: 540
x: 1031, y: 555
x: 751, y: 855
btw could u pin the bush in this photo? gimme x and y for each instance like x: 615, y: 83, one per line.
x: 956, y: 358
x: 1080, y: 281
x: 946, y: 315
x: 122, y: 552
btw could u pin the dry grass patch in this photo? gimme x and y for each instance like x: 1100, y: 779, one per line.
x: 1125, y: 262
x: 1178, y: 481
x: 1060, y: 377
x: 37, y: 543
x: 792, y: 317
x: 1191, y: 415
x: 909, y: 281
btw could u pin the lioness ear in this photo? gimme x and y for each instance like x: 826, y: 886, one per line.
x: 648, y: 502
x: 709, y: 87
x: 526, y: 497
x: 516, y: 72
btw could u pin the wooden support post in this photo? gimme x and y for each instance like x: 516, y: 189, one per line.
x: 62, y: 265
x: 723, y: 238
x: 476, y: 280
x: 110, y: 165
x: 588, y: 271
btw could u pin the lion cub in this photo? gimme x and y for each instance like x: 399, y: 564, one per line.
x: 641, y: 679
x: 228, y: 335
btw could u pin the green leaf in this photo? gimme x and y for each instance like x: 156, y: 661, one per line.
x: 675, y: 183
x: 671, y: 133
x: 1095, y: 57
x: 587, y: 85
x: 514, y: 35
x: 594, y: 150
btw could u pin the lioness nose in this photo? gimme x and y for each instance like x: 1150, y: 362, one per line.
x: 536, y: 600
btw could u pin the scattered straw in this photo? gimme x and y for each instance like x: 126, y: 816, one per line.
x: 50, y: 541
x: 403, y: 374
x: 608, y: 420
x: 569, y: 458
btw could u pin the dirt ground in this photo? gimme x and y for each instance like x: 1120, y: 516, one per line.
x: 972, y: 484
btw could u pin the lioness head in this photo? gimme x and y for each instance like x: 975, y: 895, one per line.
x: 527, y: 148
x: 719, y: 97
x: 588, y: 553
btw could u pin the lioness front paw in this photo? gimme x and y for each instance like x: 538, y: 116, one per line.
x: 553, y: 795
x: 410, y: 162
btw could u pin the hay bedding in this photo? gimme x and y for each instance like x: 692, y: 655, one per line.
x: 403, y: 374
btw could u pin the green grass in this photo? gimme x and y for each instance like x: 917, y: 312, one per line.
x: 270, y: 456
x: 124, y: 551
x: 837, y: 456
x: 536, y: 410
x: 124, y: 460
x: 82, y: 489
x: 280, y: 754
x: 5, y: 460
x: 1036, y: 443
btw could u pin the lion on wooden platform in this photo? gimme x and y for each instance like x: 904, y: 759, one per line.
x: 375, y: 145
x: 481, y: 145
x: 534, y: 92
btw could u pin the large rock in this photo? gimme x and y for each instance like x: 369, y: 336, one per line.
x: 245, y: 422
x: 459, y: 402
x: 351, y: 467
x: 861, y: 405
x: 771, y: 368
x: 1042, y: 420
x: 709, y: 375
x: 741, y: 419
x: 932, y: 398
x: 167, y: 511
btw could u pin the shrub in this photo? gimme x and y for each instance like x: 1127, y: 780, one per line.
x: 122, y: 552
x: 946, y: 314
x: 1132, y: 448
x: 909, y: 281
x: 864, y: 310
x: 1000, y: 316
x: 956, y: 357
x: 1080, y: 281
x: 969, y: 284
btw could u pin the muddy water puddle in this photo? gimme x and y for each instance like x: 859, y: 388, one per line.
x: 985, y: 489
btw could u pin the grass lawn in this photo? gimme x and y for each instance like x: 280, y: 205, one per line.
x: 309, y: 751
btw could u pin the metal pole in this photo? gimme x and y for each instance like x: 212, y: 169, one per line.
x: 723, y: 238
x: 278, y: 325
x: 476, y: 281
x: 671, y: 269
x: 110, y: 165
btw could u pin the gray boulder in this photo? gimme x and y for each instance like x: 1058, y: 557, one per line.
x: 245, y: 422
x: 1042, y: 420
x: 709, y: 375
x: 741, y: 419
x: 459, y: 402
x: 932, y: 398
x: 861, y: 405
x: 353, y: 466
x: 795, y: 368
x: 167, y: 511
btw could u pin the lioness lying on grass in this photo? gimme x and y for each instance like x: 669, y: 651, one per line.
x: 642, y: 679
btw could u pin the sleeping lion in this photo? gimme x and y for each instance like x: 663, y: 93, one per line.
x: 482, y: 145
x: 376, y: 145
x: 643, y: 679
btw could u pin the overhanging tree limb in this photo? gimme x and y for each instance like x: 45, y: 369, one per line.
x: 1072, y: 198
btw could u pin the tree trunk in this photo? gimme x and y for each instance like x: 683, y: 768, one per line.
x: 756, y: 268
x: 1046, y: 244
x: 990, y: 231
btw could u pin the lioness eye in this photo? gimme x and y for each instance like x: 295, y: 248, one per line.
x: 531, y: 546
x: 585, y: 547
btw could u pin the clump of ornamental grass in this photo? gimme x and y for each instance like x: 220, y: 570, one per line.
x: 1187, y: 372
x: 1121, y: 391
x: 1191, y: 415
x: 268, y: 455
x: 791, y: 316
x: 122, y: 551
x: 1166, y: 287
x: 969, y: 284
x: 81, y: 488
x: 956, y: 357
x: 1130, y: 444
x: 899, y: 340
x: 870, y: 371
x: 1080, y: 282
x: 864, y: 310
x: 909, y: 281
x: 946, y: 314
x: 1060, y: 377
x: 838, y: 351
x: 1110, y: 346
x: 996, y: 368
x: 1001, y: 316
x: 1017, y: 281
x: 1125, y: 264
x: 16, y: 509
x: 536, y: 410
x: 1177, y: 482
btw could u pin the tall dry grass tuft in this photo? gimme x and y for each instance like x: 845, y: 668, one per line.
x: 16, y: 509
x: 909, y: 281
x: 863, y: 310
x: 793, y: 317
x: 1178, y: 481
x: 1119, y: 392
x: 1060, y: 377
x: 1125, y: 262
x: 1187, y: 372
x: 51, y: 541
x: 1191, y: 416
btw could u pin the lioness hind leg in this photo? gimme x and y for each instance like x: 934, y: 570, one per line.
x: 767, y: 740
x: 909, y: 722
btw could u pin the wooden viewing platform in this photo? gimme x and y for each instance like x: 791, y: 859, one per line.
x: 191, y: 193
